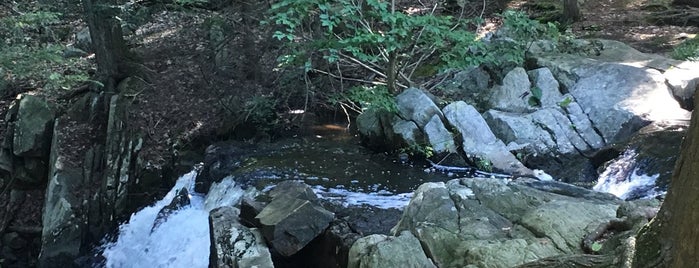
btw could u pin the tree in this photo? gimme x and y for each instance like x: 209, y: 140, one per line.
x: 694, y: 3
x: 571, y: 11
x: 107, y: 41
x: 671, y: 239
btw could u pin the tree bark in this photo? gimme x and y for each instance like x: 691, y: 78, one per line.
x: 694, y: 3
x: 107, y: 41
x: 672, y: 237
x: 571, y: 11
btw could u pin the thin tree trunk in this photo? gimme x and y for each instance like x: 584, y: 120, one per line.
x: 107, y: 41
x: 571, y: 11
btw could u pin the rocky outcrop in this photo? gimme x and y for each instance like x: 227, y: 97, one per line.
x: 683, y: 80
x: 414, y: 105
x: 26, y: 145
x: 293, y: 218
x: 514, y: 94
x: 479, y: 142
x: 488, y: 223
x: 403, y: 250
x: 234, y: 245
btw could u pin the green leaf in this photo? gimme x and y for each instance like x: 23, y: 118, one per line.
x: 596, y: 247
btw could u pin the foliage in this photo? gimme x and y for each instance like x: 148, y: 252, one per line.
x: 260, y: 111
x: 523, y: 33
x: 415, y: 149
x: 361, y: 98
x: 687, y: 50
x: 484, y: 164
x: 535, y: 98
x: 32, y: 53
x: 190, y: 2
x: 565, y: 102
x: 371, y: 35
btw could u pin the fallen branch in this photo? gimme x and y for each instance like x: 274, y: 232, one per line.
x: 469, y: 170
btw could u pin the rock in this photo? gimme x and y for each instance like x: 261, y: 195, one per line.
x: 331, y: 249
x: 521, y: 130
x: 479, y: 141
x: 234, y: 245
x: 291, y: 221
x: 14, y: 241
x: 375, y: 130
x: 441, y: 140
x: 83, y: 40
x: 180, y: 200
x: 499, y: 223
x: 582, y: 125
x: 407, y: 131
x: 403, y: 250
x: 513, y: 95
x: 414, y: 105
x: 63, y: 227
x: 683, y: 80
x: 470, y: 85
x: 543, y: 79
x: 73, y: 52
x: 620, y: 99
x: 32, y: 132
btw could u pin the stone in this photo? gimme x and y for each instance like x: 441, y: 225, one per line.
x: 620, y: 99
x: 234, y: 245
x: 375, y: 129
x: 32, y: 132
x: 479, y: 141
x: 224, y: 193
x: 289, y: 223
x: 407, y: 131
x: 180, y: 200
x: 513, y: 95
x: 83, y: 40
x: 441, y: 140
x: 582, y: 124
x: 543, y: 79
x: 414, y: 105
x: 484, y: 222
x: 403, y: 250
x: 220, y: 160
x: 683, y: 80
x: 470, y: 85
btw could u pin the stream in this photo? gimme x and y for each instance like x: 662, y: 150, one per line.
x: 337, y: 169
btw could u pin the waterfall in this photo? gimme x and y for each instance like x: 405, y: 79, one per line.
x: 180, y: 241
x: 624, y: 179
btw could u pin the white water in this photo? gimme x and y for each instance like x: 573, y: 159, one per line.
x: 623, y: 179
x: 181, y: 241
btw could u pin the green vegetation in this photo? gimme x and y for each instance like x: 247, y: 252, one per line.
x: 374, y: 44
x: 32, y: 52
x: 687, y: 50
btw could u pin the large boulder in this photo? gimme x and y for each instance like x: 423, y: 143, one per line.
x: 543, y: 79
x: 513, y: 95
x: 441, y: 139
x: 292, y: 219
x: 414, y: 105
x: 479, y: 141
x: 470, y: 85
x: 683, y: 80
x: 499, y: 223
x: 377, y: 250
x: 620, y: 99
x: 376, y: 129
x: 542, y: 132
x: 32, y: 132
x: 220, y: 160
x: 234, y: 245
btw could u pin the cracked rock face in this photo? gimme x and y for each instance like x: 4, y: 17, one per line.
x: 501, y: 223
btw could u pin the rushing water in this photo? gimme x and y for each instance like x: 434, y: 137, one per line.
x: 623, y: 178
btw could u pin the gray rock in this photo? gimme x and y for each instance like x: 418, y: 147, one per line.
x: 620, y: 99
x: 375, y: 129
x: 582, y: 124
x: 414, y: 105
x: 513, y: 95
x: 224, y: 193
x: 384, y: 251
x: 407, y: 131
x: 543, y: 79
x: 32, y: 132
x: 441, y: 140
x: 61, y: 238
x: 83, y: 40
x: 479, y: 141
x: 683, y: 80
x: 499, y: 223
x: 234, y: 245
x: 290, y: 222
x: 470, y: 85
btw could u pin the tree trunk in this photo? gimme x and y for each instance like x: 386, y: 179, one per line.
x: 694, y: 3
x: 107, y: 40
x: 672, y: 238
x: 571, y: 11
